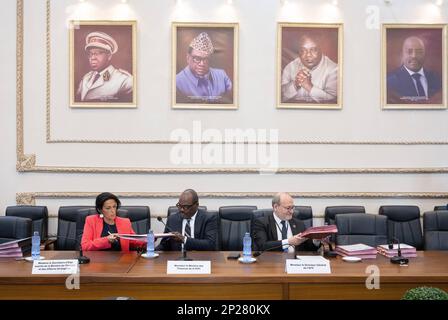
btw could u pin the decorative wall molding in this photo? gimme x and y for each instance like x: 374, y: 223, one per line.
x: 30, y: 197
x: 124, y: 170
x: 27, y: 162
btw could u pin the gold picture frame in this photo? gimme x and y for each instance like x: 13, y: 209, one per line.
x: 408, y: 49
x: 103, y: 64
x: 204, y: 66
x: 309, y: 65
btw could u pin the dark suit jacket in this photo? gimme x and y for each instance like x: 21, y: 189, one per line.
x: 400, y: 84
x: 264, y: 233
x: 205, y: 230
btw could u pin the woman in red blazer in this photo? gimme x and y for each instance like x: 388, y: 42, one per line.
x: 101, y: 231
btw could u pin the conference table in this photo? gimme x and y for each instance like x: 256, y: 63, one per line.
x: 116, y: 274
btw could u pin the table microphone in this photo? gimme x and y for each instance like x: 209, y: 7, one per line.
x: 82, y: 259
x: 398, y: 259
x: 184, y: 252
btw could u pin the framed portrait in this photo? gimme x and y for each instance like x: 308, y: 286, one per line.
x: 102, y: 64
x: 413, y: 66
x: 205, y: 65
x: 309, y: 64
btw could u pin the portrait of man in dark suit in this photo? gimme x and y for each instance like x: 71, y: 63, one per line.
x: 417, y: 77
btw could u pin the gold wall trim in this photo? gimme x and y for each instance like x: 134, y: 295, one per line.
x: 233, y: 170
x: 30, y: 197
x: 27, y: 162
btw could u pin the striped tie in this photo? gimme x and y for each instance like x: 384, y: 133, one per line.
x: 187, y: 232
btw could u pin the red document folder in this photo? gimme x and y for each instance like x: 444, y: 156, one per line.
x: 319, y: 232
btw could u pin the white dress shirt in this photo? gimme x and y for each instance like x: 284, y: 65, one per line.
x: 184, y: 223
x: 289, y: 234
x: 423, y: 80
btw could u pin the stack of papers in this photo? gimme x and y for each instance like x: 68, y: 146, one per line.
x: 16, y: 248
x: 407, y: 251
x: 143, y: 237
x: 357, y: 250
x: 319, y: 232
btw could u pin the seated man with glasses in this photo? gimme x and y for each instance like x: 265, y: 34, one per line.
x: 199, y: 83
x: 280, y: 231
x: 191, y: 226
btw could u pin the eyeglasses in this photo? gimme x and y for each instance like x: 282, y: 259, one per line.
x: 288, y: 208
x: 313, y: 51
x: 184, y: 206
x: 96, y: 53
x: 197, y: 59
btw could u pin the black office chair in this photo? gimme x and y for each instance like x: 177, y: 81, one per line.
x: 369, y: 229
x: 38, y: 215
x: 14, y: 228
x: 332, y: 211
x: 140, y: 217
x: 68, y: 230
x: 403, y: 223
x: 435, y: 224
x: 233, y: 223
x: 173, y: 209
x: 304, y: 213
x: 438, y: 208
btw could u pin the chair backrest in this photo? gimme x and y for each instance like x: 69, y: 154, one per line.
x: 38, y: 215
x: 13, y: 228
x: 304, y: 213
x: 403, y: 223
x: 140, y: 217
x: 67, y: 235
x: 438, y: 208
x: 233, y: 223
x: 173, y: 210
x: 435, y: 224
x: 369, y: 229
x: 331, y: 212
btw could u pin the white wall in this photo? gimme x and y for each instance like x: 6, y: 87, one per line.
x: 361, y: 118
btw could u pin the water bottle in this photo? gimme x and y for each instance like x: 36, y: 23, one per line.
x: 150, y: 244
x: 247, y: 247
x: 35, y: 246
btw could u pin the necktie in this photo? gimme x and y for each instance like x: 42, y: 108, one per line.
x: 97, y: 76
x: 202, y: 86
x: 188, y: 229
x: 284, y: 230
x: 420, y: 90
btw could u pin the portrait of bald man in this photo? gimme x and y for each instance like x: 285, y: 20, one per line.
x: 416, y: 80
x: 312, y: 76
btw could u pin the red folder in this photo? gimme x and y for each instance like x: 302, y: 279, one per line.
x: 319, y: 232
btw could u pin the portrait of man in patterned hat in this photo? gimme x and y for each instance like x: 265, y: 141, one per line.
x: 200, y: 77
x: 107, y: 80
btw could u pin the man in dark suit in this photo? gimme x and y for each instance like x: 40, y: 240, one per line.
x: 280, y: 230
x: 191, y: 227
x: 412, y: 83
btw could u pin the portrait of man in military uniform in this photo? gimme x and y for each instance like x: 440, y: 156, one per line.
x: 103, y: 64
x: 205, y: 66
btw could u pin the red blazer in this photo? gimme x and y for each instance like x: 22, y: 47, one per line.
x: 92, y: 240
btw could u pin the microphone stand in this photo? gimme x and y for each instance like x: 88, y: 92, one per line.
x: 398, y: 259
x: 82, y: 259
x: 184, y: 255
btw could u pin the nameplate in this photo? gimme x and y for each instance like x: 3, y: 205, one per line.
x: 55, y: 266
x: 188, y: 267
x: 308, y: 265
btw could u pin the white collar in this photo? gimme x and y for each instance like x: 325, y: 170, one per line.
x: 421, y: 72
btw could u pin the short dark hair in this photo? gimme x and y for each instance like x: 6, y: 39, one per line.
x: 103, y: 197
x: 194, y: 195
